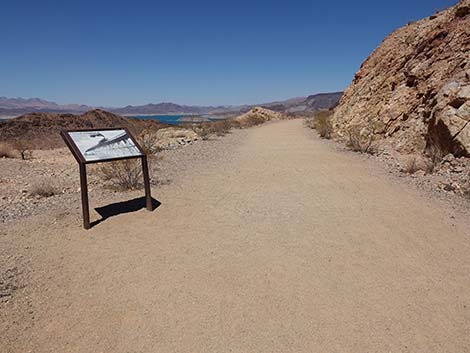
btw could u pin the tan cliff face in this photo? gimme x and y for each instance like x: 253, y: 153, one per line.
x: 413, y: 91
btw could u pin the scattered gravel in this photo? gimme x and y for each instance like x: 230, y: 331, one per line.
x: 58, y: 168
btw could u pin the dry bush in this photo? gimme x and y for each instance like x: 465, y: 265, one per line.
x: 361, y: 139
x: 148, y: 140
x: 235, y: 124
x: 206, y: 129
x: 123, y: 175
x: 203, y: 130
x: 430, y: 165
x: 411, y: 166
x: 222, y: 127
x: 6, y: 151
x: 466, y: 189
x: 310, y: 123
x: 24, y: 149
x: 322, y: 123
x: 251, y: 120
x: 43, y: 189
x: 435, y: 154
x: 415, y: 163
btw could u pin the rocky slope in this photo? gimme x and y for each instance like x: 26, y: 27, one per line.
x: 42, y: 130
x: 413, y: 91
x: 259, y: 113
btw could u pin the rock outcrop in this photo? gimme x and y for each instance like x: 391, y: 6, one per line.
x: 413, y: 91
x: 258, y: 113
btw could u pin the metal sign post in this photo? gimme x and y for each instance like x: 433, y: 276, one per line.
x: 104, y: 145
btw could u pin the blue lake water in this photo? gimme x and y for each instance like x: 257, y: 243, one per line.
x: 167, y: 119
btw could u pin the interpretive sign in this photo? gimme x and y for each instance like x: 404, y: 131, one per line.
x: 104, y: 145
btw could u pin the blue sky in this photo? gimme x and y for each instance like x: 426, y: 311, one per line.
x: 115, y: 53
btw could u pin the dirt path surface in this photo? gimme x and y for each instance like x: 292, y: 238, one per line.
x: 286, y: 245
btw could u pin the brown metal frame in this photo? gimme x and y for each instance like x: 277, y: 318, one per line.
x: 82, y: 162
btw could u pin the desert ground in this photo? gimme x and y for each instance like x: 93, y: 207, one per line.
x: 268, y: 240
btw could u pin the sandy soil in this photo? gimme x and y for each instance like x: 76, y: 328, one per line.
x: 279, y: 244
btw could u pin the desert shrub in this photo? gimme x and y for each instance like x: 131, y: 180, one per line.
x: 415, y: 163
x: 203, y: 130
x: 361, y: 139
x: 43, y: 189
x: 122, y: 175
x: 357, y: 141
x: 6, y: 151
x: 466, y: 189
x: 251, y: 120
x: 148, y: 140
x: 435, y: 153
x: 411, y: 166
x: 24, y: 149
x: 310, y: 123
x: 322, y: 123
x: 235, y: 124
x: 220, y: 128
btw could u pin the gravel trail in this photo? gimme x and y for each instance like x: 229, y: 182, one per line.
x: 282, y: 245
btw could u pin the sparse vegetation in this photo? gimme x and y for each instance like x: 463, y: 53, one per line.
x: 202, y: 131
x: 148, y: 140
x: 24, y: 149
x: 323, y: 125
x: 123, y: 175
x: 360, y: 140
x: 252, y: 120
x: 218, y: 128
x: 466, y: 188
x: 321, y: 121
x: 411, y: 165
x: 6, y: 151
x: 435, y: 153
x: 43, y: 189
x: 415, y: 163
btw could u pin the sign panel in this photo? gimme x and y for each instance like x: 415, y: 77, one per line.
x: 104, y: 145
x: 101, y: 145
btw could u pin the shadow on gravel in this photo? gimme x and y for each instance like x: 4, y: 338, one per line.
x: 118, y: 208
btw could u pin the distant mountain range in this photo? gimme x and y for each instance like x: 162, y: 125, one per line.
x: 10, y: 107
x: 19, y: 106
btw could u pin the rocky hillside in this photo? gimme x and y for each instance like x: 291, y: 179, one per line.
x: 260, y: 114
x: 42, y: 129
x: 413, y: 91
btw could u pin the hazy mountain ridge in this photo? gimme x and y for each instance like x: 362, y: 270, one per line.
x: 163, y: 108
x: 20, y: 106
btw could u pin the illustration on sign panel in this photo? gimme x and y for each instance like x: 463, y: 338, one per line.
x: 104, y: 144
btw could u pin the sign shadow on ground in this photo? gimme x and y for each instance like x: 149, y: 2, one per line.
x: 123, y: 207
